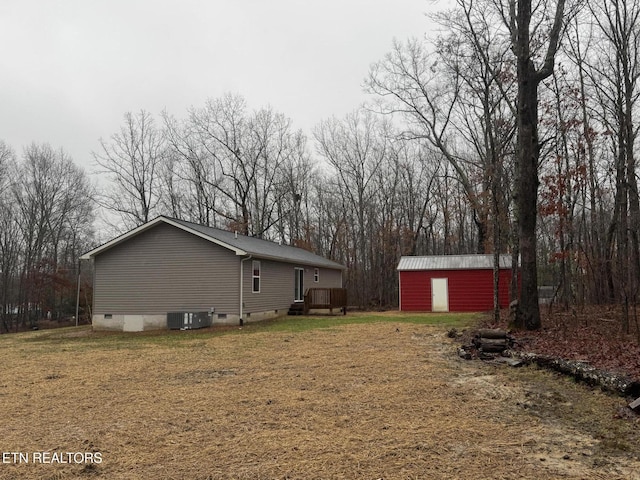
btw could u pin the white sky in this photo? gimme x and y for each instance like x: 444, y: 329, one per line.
x: 70, y: 69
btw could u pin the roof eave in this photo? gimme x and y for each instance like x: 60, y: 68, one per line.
x: 262, y: 256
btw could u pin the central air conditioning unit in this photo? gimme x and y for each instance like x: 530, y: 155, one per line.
x: 188, y: 320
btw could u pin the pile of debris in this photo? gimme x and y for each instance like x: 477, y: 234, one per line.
x: 487, y: 344
x: 496, y: 345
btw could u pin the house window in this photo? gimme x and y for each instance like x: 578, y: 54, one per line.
x: 316, y: 275
x: 256, y: 276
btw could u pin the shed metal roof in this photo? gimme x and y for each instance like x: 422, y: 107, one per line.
x: 452, y: 262
x: 239, y: 244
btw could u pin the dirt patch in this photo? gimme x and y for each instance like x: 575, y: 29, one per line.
x: 384, y: 400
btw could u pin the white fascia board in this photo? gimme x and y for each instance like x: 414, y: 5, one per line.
x: 119, y: 239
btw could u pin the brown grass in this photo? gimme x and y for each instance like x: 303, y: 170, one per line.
x: 383, y: 400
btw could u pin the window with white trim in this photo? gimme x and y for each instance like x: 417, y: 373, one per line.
x: 316, y: 275
x: 255, y: 276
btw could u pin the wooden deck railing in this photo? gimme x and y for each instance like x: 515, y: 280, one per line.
x: 326, y: 298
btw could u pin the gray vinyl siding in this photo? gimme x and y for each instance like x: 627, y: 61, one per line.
x: 277, y: 284
x: 329, y: 278
x: 166, y: 269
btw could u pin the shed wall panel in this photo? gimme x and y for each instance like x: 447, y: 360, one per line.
x: 415, y: 291
x: 468, y: 290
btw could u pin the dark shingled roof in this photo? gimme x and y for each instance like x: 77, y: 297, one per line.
x: 262, y: 248
x: 240, y: 244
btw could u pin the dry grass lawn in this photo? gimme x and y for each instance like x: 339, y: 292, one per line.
x: 364, y: 401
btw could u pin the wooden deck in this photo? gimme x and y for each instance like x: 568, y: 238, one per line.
x: 326, y: 298
x: 321, y: 299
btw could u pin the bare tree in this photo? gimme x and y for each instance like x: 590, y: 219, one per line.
x: 130, y: 161
x: 618, y: 72
x: 518, y: 16
x: 10, y: 244
x: 455, y: 96
x: 409, y: 78
x: 190, y: 175
x: 7, y: 156
x: 488, y: 110
x: 53, y: 215
x: 248, y: 152
x: 355, y: 148
x: 580, y: 47
x: 293, y: 194
x: 419, y: 170
x: 458, y: 94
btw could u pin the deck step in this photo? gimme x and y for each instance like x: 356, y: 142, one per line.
x: 296, y: 309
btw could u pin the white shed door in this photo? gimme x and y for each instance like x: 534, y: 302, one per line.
x: 439, y: 295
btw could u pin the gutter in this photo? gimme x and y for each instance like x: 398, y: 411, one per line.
x: 242, y: 286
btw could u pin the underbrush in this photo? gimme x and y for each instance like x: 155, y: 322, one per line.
x: 590, y: 334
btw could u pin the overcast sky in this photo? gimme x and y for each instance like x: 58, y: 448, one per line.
x: 72, y: 68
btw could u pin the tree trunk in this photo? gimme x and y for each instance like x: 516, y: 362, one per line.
x: 528, y: 313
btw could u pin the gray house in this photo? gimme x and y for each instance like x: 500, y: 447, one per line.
x: 169, y: 265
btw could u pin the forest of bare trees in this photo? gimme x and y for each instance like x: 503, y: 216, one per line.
x: 511, y: 128
x: 46, y: 222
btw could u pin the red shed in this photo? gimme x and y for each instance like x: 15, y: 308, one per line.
x: 452, y: 283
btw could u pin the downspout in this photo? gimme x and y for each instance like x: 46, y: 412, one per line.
x: 242, y: 285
